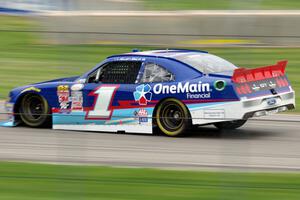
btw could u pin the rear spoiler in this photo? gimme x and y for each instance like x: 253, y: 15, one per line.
x: 243, y: 75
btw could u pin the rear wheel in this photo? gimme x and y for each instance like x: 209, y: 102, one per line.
x: 173, y: 118
x: 34, y: 111
x: 230, y: 125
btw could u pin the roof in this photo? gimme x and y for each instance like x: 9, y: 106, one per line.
x: 168, y: 53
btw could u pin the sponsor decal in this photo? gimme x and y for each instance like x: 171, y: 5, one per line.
x: 10, y: 117
x: 272, y: 84
x: 64, y: 111
x: 214, y: 114
x: 271, y: 101
x: 142, y: 115
x: 263, y: 85
x: 193, y: 90
x: 77, y: 100
x: 198, y: 96
x: 83, y: 80
x: 63, y: 95
x: 126, y: 58
x: 31, y: 89
x: 77, y: 87
x: 63, y: 88
x: 9, y: 107
x: 143, y: 94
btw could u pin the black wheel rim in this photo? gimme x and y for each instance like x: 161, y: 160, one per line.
x: 172, y: 116
x: 33, y: 108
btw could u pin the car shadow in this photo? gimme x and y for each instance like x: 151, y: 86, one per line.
x: 196, y: 132
x: 241, y: 133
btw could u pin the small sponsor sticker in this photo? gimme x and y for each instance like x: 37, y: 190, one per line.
x: 77, y: 100
x: 142, y: 115
x: 31, y: 89
x: 63, y: 95
x: 143, y: 94
x: 271, y: 101
x: 81, y: 80
x: 77, y: 87
x: 214, y: 114
x: 9, y: 107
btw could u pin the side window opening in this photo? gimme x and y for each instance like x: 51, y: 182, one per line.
x: 155, y: 73
x: 93, y: 77
x: 121, y: 72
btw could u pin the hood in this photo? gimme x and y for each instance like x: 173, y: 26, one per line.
x: 21, y: 89
x: 14, y: 93
x: 67, y: 79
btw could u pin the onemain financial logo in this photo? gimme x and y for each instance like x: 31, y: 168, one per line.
x: 193, y: 90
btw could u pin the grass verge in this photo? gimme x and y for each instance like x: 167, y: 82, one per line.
x: 43, y: 181
x: 221, y: 5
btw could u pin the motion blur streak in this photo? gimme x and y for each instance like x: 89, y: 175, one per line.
x: 268, y: 143
x: 47, y: 39
x: 253, y: 147
x: 200, y: 27
x: 257, y: 146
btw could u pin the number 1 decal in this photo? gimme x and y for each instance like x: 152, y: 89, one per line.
x: 102, y: 103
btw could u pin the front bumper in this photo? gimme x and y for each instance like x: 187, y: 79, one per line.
x: 7, y: 115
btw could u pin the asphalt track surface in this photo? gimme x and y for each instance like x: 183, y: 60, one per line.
x: 260, y: 145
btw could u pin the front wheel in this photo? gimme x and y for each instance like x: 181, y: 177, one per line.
x: 230, y: 125
x: 35, y: 111
x: 173, y: 118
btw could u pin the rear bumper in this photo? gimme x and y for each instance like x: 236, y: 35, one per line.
x: 261, y: 106
x: 269, y: 111
x: 243, y: 109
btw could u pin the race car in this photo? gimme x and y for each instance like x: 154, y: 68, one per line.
x: 168, y: 91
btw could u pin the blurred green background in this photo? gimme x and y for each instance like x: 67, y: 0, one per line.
x: 221, y: 4
x: 25, y: 58
x: 41, y: 181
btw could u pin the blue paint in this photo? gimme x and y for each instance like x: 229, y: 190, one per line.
x: 125, y: 101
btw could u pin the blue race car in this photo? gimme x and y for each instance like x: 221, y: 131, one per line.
x: 164, y: 90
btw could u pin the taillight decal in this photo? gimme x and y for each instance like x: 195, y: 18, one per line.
x: 256, y: 86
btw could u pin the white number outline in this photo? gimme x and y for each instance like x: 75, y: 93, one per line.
x: 96, y: 101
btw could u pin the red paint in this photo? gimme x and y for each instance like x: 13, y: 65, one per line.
x: 242, y: 75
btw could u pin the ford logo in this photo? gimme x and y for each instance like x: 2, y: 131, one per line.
x: 271, y: 101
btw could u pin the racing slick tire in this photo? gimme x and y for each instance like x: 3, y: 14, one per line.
x: 230, y: 125
x: 173, y: 118
x: 34, y: 111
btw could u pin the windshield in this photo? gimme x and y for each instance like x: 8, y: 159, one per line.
x: 205, y: 63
